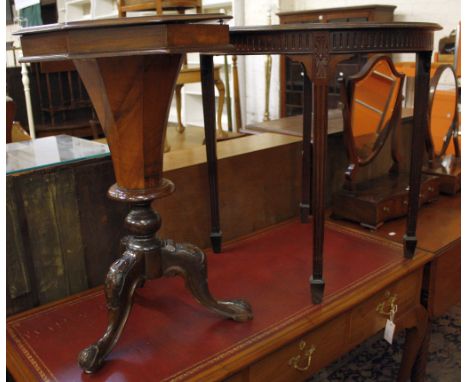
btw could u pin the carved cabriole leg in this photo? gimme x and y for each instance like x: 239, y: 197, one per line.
x: 207, y: 80
x: 180, y: 125
x: 221, y: 91
x: 413, y: 362
x: 124, y: 276
x: 188, y: 261
x: 421, y: 96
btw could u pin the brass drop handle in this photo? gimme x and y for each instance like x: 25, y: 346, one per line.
x: 303, y: 360
x: 390, y: 303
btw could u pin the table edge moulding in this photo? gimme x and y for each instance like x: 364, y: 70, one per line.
x: 125, y: 103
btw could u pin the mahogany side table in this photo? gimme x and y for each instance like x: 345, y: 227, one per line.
x: 130, y: 67
x: 319, y: 48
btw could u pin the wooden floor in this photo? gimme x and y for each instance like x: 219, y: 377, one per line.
x: 193, y: 136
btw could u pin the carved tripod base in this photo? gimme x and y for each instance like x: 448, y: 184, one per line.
x: 147, y: 257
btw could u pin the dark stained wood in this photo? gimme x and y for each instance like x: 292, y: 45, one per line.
x: 289, y: 75
x: 321, y: 41
x: 118, y: 39
x: 306, y: 148
x: 421, y: 95
x: 318, y: 180
x: 208, y: 94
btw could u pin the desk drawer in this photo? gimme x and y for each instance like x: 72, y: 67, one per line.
x: 365, y: 320
x: 327, y: 343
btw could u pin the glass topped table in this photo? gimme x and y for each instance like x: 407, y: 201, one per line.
x: 50, y: 151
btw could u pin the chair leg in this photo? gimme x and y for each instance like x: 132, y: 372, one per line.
x: 180, y: 126
x: 159, y: 8
x: 221, y: 90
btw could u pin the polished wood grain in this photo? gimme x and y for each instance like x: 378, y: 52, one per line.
x: 131, y: 136
x: 131, y: 90
x: 423, y: 65
x: 116, y: 37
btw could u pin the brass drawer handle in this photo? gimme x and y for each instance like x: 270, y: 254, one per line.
x: 388, y: 307
x: 299, y: 361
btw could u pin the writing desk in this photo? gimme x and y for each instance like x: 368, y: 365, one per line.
x: 170, y: 338
x: 130, y: 82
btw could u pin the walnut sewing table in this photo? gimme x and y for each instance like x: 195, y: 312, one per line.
x: 130, y: 68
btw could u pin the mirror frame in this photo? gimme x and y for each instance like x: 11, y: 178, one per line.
x: 452, y: 132
x: 347, y: 88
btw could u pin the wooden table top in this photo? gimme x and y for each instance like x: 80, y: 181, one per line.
x: 125, y: 22
x: 364, y: 25
x: 190, y: 33
x: 124, y: 37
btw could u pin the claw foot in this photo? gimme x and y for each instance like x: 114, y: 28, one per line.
x: 88, y: 359
x: 237, y: 310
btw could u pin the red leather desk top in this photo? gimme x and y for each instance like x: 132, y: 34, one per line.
x: 168, y: 336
